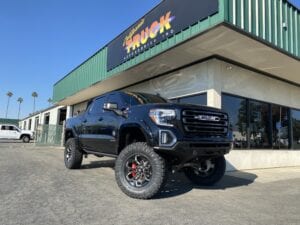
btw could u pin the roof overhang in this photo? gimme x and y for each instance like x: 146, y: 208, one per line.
x: 222, y: 41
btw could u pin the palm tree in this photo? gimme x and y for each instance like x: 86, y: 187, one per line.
x: 34, y: 95
x: 49, y: 101
x: 9, y: 95
x: 20, y: 100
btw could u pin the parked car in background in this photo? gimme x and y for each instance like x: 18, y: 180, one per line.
x: 12, y: 132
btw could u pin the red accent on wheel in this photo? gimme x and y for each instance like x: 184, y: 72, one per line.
x: 133, y: 167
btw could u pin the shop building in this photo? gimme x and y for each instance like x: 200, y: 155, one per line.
x: 47, y: 125
x: 238, y: 55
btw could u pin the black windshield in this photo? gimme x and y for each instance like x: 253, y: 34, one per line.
x: 143, y: 98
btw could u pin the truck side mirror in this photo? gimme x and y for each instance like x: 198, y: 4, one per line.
x: 110, y: 106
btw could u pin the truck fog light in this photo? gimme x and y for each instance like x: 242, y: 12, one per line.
x: 166, y: 138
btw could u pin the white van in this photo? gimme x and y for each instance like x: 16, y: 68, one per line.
x: 12, y: 132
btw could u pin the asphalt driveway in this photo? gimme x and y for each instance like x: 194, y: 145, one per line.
x: 35, y: 188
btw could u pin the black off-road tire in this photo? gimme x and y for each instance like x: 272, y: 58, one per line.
x: 211, y: 179
x: 158, y: 166
x: 26, y: 139
x: 72, y: 154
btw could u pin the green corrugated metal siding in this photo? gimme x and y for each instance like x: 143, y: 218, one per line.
x: 265, y: 19
x: 94, y: 69
x: 91, y: 71
x: 261, y: 18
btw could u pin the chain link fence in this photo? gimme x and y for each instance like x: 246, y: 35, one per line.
x: 49, y: 135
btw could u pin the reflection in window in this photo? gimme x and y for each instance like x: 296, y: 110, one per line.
x: 296, y: 128
x: 280, y: 125
x: 259, y: 125
x: 200, y: 99
x: 237, y: 111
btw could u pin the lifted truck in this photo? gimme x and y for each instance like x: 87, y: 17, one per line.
x: 150, y: 136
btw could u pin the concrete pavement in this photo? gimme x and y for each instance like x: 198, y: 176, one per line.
x: 35, y: 188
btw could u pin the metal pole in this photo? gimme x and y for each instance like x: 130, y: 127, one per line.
x: 7, y: 107
x: 19, y: 110
x: 33, y: 104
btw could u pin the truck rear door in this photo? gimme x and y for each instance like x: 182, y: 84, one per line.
x: 92, y: 130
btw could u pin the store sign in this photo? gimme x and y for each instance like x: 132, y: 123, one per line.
x: 164, y: 21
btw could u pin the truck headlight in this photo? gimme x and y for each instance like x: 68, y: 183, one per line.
x: 162, y: 117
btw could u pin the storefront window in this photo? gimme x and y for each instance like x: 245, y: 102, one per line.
x: 259, y: 125
x: 200, y: 99
x: 280, y: 127
x: 237, y: 111
x: 296, y: 128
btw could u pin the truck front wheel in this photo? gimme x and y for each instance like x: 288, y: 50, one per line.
x: 72, y: 154
x: 140, y: 172
x: 206, y: 172
x: 26, y: 139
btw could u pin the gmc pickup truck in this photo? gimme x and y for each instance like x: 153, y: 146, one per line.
x: 150, y: 136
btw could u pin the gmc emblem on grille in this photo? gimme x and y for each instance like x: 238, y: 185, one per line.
x: 208, y: 118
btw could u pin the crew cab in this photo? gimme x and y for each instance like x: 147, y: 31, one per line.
x: 150, y: 136
x: 12, y: 132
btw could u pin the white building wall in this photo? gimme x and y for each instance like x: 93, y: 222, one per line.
x: 235, y: 80
x: 192, y: 80
x: 79, y: 108
x: 54, y: 117
x: 215, y: 77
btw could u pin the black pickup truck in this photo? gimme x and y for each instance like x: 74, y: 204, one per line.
x: 150, y: 136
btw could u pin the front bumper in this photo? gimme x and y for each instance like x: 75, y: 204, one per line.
x: 197, y: 148
x: 192, y: 146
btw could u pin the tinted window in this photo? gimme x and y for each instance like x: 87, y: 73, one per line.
x: 97, y: 107
x: 143, y: 98
x: 280, y: 126
x: 12, y: 128
x: 236, y: 108
x: 130, y: 100
x: 296, y: 128
x: 195, y: 99
x: 259, y: 125
x: 116, y: 98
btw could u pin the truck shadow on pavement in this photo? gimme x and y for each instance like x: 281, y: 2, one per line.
x: 178, y: 184
x: 100, y: 164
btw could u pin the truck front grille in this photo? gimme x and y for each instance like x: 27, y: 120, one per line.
x: 204, y: 122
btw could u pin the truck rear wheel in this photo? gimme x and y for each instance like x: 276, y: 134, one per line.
x: 72, y: 154
x: 140, y: 172
x: 206, y: 172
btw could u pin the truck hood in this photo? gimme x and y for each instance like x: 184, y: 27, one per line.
x: 179, y: 106
x: 26, y: 132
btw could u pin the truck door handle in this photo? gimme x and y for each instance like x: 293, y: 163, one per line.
x: 84, y: 121
x: 100, y: 119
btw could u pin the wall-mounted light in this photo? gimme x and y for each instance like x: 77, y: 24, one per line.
x: 229, y: 67
x: 284, y: 25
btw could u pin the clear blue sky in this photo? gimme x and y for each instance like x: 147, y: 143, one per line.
x: 42, y: 40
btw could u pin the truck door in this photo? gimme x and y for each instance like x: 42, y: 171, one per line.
x: 92, y: 130
x: 111, y: 123
x: 14, y: 132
